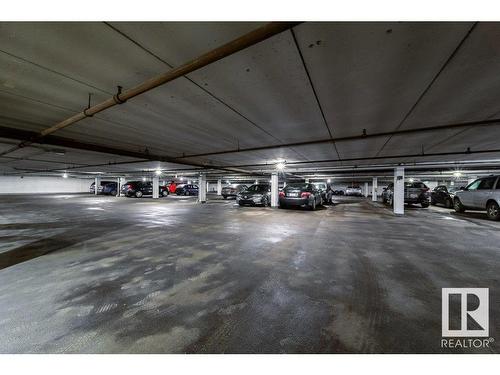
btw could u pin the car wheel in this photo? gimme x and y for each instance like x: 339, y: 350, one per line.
x: 384, y: 201
x: 424, y: 204
x: 459, y: 207
x: 165, y: 193
x: 282, y: 205
x: 391, y: 201
x: 224, y: 196
x: 313, y: 205
x: 320, y: 201
x: 113, y: 192
x: 448, y: 203
x: 138, y: 194
x: 433, y: 201
x: 493, y: 211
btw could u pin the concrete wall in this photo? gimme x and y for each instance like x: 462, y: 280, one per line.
x: 38, y: 185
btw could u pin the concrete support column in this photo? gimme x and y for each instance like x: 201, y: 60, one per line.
x: 118, y: 186
x: 96, y: 185
x: 208, y: 187
x: 399, y: 191
x: 202, y: 189
x: 374, y: 189
x: 366, y: 189
x: 156, y: 187
x: 219, y: 187
x: 274, y: 189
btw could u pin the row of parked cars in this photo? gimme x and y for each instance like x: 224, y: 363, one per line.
x: 481, y: 194
x: 139, y: 189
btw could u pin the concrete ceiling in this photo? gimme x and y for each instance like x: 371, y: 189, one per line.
x: 319, y: 80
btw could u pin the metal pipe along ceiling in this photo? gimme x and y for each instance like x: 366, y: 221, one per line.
x: 238, y: 44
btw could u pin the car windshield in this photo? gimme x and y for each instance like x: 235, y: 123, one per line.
x: 353, y: 187
x: 418, y: 185
x: 321, y: 186
x: 258, y: 188
x: 300, y: 186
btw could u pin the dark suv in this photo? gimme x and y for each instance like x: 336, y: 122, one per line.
x: 415, y: 193
x: 139, y: 188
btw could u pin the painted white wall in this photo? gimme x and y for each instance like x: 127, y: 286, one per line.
x: 38, y: 185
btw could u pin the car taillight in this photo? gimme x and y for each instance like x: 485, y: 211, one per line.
x: 282, y: 194
x: 425, y: 189
x: 305, y: 194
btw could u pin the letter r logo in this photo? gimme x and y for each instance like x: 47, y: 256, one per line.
x: 465, y: 312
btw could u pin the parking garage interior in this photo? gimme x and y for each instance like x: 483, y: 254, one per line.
x: 222, y: 104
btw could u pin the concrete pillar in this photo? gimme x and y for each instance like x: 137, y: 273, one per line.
x: 96, y: 185
x: 202, y: 189
x: 118, y: 186
x: 208, y: 189
x: 274, y: 189
x: 374, y: 189
x: 219, y: 187
x: 366, y: 189
x: 156, y: 187
x: 399, y: 191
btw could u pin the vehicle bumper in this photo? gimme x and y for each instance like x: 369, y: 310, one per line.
x: 289, y: 201
x: 250, y: 202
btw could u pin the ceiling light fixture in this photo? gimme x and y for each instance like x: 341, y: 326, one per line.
x: 65, y: 175
x: 144, y: 179
x: 457, y: 174
x: 280, y: 166
x: 158, y: 172
x: 328, y: 180
x: 411, y: 180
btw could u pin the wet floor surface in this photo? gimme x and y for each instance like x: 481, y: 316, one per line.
x: 86, y: 274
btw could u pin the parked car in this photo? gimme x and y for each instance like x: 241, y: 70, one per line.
x: 258, y: 194
x: 99, y: 188
x: 338, y: 192
x: 326, y: 192
x: 354, y: 190
x: 443, y: 195
x: 300, y: 194
x: 186, y: 189
x: 110, y: 189
x: 140, y: 188
x: 481, y: 194
x: 414, y: 193
x: 232, y: 190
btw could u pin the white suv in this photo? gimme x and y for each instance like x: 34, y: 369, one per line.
x: 481, y: 194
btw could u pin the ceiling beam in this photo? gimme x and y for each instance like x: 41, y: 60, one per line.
x: 11, y: 133
x: 490, y: 122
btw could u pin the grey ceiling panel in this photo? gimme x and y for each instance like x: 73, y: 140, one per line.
x: 368, y: 75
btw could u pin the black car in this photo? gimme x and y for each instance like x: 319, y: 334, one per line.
x: 443, y: 195
x: 325, y: 190
x: 101, y: 186
x: 414, y: 192
x: 187, y: 189
x: 258, y: 194
x: 300, y: 194
x: 140, y: 188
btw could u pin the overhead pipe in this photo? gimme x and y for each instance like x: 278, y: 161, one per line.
x: 238, y: 44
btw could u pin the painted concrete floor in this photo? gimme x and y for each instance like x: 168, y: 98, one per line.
x: 85, y: 274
